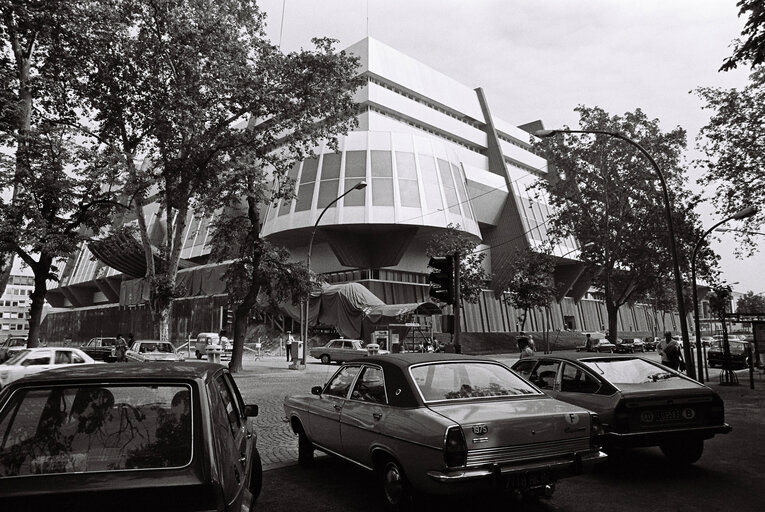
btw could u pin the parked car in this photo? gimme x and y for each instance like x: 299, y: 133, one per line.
x: 739, y: 357
x: 443, y: 424
x: 34, y: 360
x: 651, y: 343
x: 100, y: 349
x: 624, y: 346
x: 211, y: 338
x: 707, y: 341
x: 340, y: 350
x: 128, y: 437
x: 640, y: 402
x: 10, y: 346
x: 153, y: 351
x: 599, y: 343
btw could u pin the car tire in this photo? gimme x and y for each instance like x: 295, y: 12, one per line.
x: 325, y: 359
x: 305, y: 449
x: 396, y: 491
x: 256, y: 476
x: 683, y: 451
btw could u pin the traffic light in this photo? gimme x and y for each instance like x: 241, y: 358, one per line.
x: 442, y: 280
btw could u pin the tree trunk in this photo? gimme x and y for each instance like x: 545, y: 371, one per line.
x: 41, y: 271
x: 164, y: 315
x: 613, y: 320
x: 241, y: 313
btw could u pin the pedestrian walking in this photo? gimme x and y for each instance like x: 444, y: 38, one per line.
x: 588, y: 343
x: 120, y: 348
x: 288, y: 346
x: 671, y: 354
x: 524, y: 348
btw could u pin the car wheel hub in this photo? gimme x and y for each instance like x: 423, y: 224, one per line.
x: 392, y: 484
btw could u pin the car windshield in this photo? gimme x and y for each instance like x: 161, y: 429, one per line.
x: 156, y: 347
x: 95, y: 428
x: 465, y: 380
x: 17, y: 356
x: 18, y: 342
x: 629, y: 371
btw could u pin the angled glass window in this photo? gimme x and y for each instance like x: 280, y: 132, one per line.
x: 430, y: 183
x: 408, y: 188
x: 330, y: 166
x: 355, y: 164
x: 327, y: 193
x: 310, y: 166
x: 382, y: 191
x: 450, y: 191
x: 357, y: 197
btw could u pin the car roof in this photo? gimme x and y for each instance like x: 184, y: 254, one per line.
x: 406, y: 359
x: 581, y: 357
x: 125, y: 372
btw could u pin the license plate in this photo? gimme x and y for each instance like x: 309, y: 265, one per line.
x: 529, y: 479
x: 687, y: 413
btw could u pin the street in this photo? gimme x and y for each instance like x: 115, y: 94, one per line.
x: 728, y: 476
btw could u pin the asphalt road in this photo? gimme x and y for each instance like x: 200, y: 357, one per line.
x: 729, y: 476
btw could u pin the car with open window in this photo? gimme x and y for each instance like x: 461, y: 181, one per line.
x: 34, y: 360
x: 152, y: 350
x: 128, y: 437
x: 443, y: 424
x: 100, y: 349
x: 640, y: 402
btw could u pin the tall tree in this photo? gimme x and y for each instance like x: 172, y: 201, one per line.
x: 472, y: 273
x: 604, y: 194
x: 300, y: 100
x: 55, y: 176
x: 752, y: 49
x: 751, y: 303
x: 733, y: 145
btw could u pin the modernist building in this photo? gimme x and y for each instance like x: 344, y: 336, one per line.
x: 433, y: 154
x: 15, y: 303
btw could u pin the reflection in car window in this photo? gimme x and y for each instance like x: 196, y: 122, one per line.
x: 17, y: 357
x: 629, y: 371
x: 232, y: 410
x: 370, y: 387
x: 463, y: 380
x: 63, y: 357
x: 576, y: 380
x: 35, y: 359
x: 524, y: 367
x: 342, y: 382
x: 95, y: 428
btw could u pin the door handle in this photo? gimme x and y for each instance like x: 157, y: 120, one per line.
x: 377, y: 415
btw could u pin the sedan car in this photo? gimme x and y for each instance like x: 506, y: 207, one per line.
x: 640, y: 402
x: 100, y: 349
x: 10, y: 346
x: 38, y: 359
x: 128, y: 437
x: 651, y: 343
x: 340, y: 350
x: 153, y: 351
x: 739, y: 356
x: 443, y: 424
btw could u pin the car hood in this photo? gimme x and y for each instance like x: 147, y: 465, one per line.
x: 517, y: 421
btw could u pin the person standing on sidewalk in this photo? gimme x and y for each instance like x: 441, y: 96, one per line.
x: 288, y: 346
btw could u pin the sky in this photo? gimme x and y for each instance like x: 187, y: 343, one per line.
x: 540, y: 59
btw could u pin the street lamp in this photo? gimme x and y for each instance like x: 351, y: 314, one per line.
x: 670, y: 227
x: 741, y: 214
x: 304, y: 308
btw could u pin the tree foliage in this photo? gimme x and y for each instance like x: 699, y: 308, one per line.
x: 604, y: 194
x: 751, y: 303
x: 719, y: 298
x: 531, y: 284
x: 733, y: 145
x: 472, y: 273
x: 62, y: 186
x: 752, y: 49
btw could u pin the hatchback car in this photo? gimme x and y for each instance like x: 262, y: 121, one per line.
x: 640, y: 402
x: 128, y: 437
x: 340, y: 350
x: 38, y: 359
x: 739, y: 356
x: 443, y: 424
x: 153, y: 351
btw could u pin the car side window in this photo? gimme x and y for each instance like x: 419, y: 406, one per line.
x: 63, y: 357
x: 370, y: 386
x: 348, y: 345
x: 39, y: 358
x: 76, y: 359
x: 544, y: 374
x: 576, y: 380
x: 229, y: 403
x: 524, y: 368
x: 342, y: 381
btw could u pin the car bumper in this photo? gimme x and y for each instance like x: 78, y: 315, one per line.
x: 657, y: 437
x: 505, y: 475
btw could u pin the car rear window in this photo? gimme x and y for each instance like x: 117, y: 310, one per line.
x: 95, y: 428
x: 628, y: 370
x: 467, y: 380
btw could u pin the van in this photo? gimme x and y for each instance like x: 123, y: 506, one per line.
x: 204, y: 339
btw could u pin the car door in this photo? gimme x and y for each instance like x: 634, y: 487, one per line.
x: 231, y: 440
x: 545, y: 375
x: 326, y: 409
x: 363, y: 416
x: 580, y: 387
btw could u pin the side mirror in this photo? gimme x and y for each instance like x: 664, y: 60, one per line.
x: 251, y: 410
x: 316, y: 390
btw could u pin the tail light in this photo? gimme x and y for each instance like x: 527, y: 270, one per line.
x: 455, y: 448
x: 596, y: 430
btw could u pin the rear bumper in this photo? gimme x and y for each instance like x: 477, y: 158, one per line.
x: 496, y: 475
x: 657, y: 437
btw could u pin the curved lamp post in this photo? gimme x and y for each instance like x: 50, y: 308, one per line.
x: 670, y: 227
x: 304, y: 308
x: 741, y: 214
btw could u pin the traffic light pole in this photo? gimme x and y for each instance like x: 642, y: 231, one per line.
x: 457, y: 321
